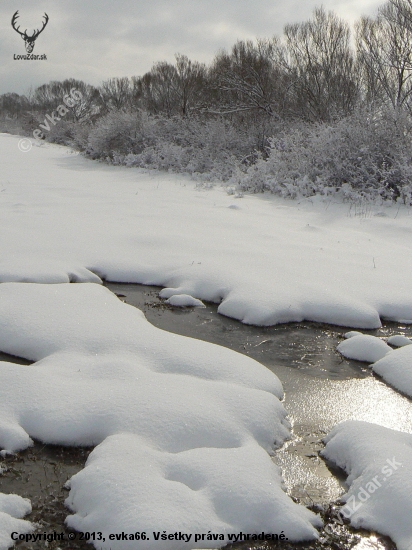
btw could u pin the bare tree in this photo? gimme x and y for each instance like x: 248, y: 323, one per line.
x: 384, y: 47
x: 322, y: 66
x: 157, y: 91
x: 49, y: 96
x: 250, y: 78
x: 189, y: 83
x: 116, y: 93
x: 171, y: 89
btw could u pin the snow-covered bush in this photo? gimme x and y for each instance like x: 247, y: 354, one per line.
x: 211, y: 148
x: 62, y: 133
x: 12, y: 126
x: 120, y: 133
x: 362, y: 155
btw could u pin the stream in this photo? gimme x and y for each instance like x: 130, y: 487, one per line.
x: 321, y: 390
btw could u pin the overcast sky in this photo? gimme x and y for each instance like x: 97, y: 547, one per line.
x: 93, y: 40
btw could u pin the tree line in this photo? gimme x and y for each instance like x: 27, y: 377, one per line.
x: 316, y: 73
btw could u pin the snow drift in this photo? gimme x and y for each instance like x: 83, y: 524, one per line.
x: 191, y: 423
x: 378, y: 462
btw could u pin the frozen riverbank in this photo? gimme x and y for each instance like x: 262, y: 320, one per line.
x: 187, y: 409
x: 321, y: 390
x: 263, y: 259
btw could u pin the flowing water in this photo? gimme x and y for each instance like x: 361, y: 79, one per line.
x: 321, y: 389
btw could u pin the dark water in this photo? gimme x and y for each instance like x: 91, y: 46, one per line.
x: 321, y: 389
x: 14, y: 359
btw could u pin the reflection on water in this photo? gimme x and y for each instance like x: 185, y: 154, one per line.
x: 308, y: 347
x: 321, y: 387
x: 315, y: 406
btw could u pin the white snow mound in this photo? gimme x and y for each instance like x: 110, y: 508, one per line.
x: 378, y: 462
x: 201, y: 490
x: 396, y: 369
x: 363, y: 347
x: 399, y: 341
x: 352, y: 333
x: 12, y: 509
x: 184, y: 300
x: 102, y: 370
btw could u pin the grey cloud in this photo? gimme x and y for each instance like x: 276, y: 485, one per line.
x: 94, y: 40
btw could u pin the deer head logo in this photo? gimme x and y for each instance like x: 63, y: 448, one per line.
x: 28, y: 40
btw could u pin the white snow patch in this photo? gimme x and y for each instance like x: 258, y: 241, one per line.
x: 352, y: 333
x: 399, y: 341
x: 184, y: 300
x: 223, y: 491
x: 363, y: 347
x: 101, y: 370
x: 12, y: 509
x: 396, y: 369
x: 378, y: 462
x: 64, y: 218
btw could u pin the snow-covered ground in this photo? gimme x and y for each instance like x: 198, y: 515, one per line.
x: 64, y: 218
x: 396, y: 369
x: 378, y: 462
x: 184, y: 428
x: 363, y: 347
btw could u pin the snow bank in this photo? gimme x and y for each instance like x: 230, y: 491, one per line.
x: 103, y: 366
x: 378, y: 462
x: 64, y: 218
x: 399, y: 341
x: 102, y: 370
x: 394, y: 366
x: 220, y: 491
x: 184, y: 300
x: 363, y: 347
x: 396, y: 369
x: 12, y: 509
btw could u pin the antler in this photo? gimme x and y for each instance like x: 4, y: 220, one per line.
x: 24, y: 34
x: 13, y: 23
x: 46, y: 20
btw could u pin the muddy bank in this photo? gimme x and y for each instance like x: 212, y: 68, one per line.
x: 39, y: 473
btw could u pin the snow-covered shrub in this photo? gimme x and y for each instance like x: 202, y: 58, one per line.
x: 81, y: 136
x: 121, y: 133
x: 209, y: 148
x: 206, y: 147
x: 359, y: 156
x: 62, y: 133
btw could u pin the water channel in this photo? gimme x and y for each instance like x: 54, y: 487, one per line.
x: 321, y: 390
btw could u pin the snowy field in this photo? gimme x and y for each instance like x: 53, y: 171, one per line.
x: 185, y: 429
x: 265, y: 260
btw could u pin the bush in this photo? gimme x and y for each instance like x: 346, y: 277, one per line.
x: 361, y: 155
x: 120, y: 133
x: 210, y: 148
